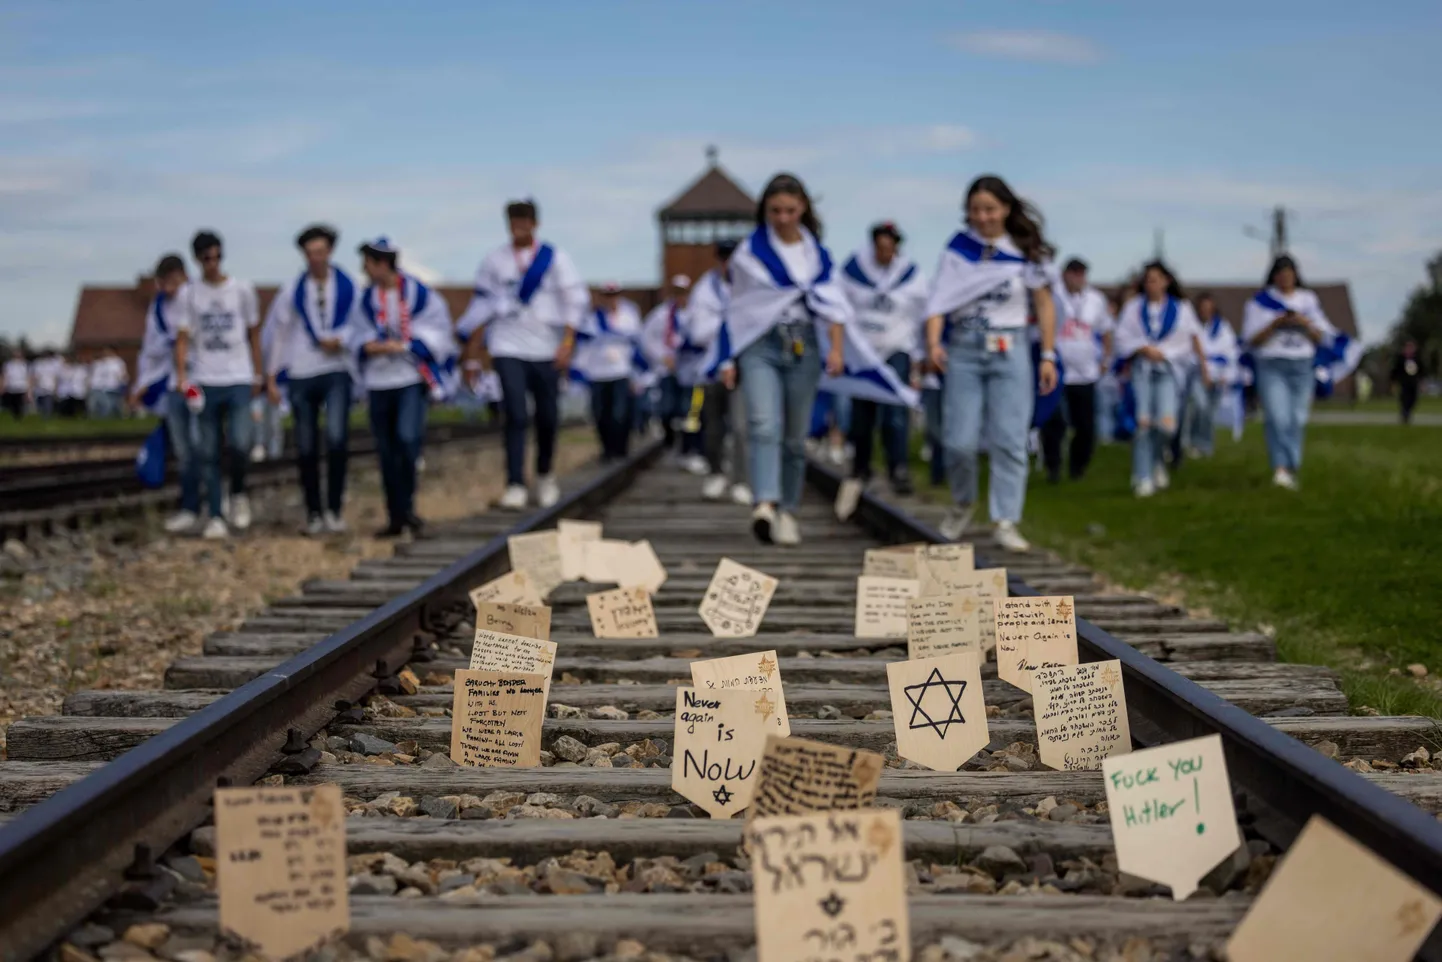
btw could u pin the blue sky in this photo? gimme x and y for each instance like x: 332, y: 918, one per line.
x: 125, y: 126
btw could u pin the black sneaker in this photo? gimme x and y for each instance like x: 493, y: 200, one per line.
x: 393, y: 530
x: 901, y: 483
x: 415, y: 524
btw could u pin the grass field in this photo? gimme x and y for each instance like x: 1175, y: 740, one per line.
x: 32, y: 426
x: 1347, y: 572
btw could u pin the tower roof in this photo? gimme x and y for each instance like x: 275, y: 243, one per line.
x: 713, y: 194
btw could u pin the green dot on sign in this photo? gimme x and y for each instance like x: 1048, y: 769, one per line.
x: 1201, y: 828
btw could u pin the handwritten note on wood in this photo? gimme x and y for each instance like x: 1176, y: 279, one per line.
x: 720, y: 736
x: 538, y: 554
x: 938, y: 709
x: 280, y: 866
x: 571, y: 537
x: 605, y: 560
x: 759, y: 672
x: 798, y: 775
x: 736, y: 600
x: 1032, y: 633
x: 509, y: 618
x: 1332, y: 900
x: 644, y: 568
x: 943, y: 625
x: 830, y: 886
x: 496, y: 651
x: 943, y: 568
x: 881, y: 606
x: 1081, y: 715
x: 622, y: 613
x: 496, y: 719
x: 1171, y: 812
x: 513, y: 587
x: 889, y: 563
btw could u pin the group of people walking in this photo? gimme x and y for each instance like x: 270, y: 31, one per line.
x: 997, y: 346
x: 52, y: 384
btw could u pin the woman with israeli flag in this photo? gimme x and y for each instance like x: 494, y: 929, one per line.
x: 785, y: 314
x: 1158, y: 338
x: 305, y: 328
x: 607, y: 357
x: 888, y: 295
x: 1286, y: 331
x: 157, y: 391
x: 1220, y: 347
x: 400, y: 335
x: 976, y: 332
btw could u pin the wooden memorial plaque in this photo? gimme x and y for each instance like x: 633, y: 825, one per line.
x: 1032, y: 633
x: 496, y: 719
x: 736, y: 600
x: 938, y: 709
x: 1081, y: 715
x: 622, y: 613
x: 719, y: 738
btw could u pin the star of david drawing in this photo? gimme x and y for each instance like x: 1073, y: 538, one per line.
x: 765, y: 707
x: 722, y: 796
x: 968, y: 605
x: 766, y: 666
x: 951, y: 690
x: 832, y: 905
x: 1109, y: 676
x: 880, y: 836
x: 1063, y: 610
x: 1411, y: 917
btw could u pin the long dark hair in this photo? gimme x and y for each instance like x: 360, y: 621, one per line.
x: 789, y: 184
x: 1174, y: 287
x: 1283, y: 260
x: 1023, y: 221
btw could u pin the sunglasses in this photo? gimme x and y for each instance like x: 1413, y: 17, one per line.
x: 208, y: 257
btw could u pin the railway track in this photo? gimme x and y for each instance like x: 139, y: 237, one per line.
x: 39, y: 498
x: 308, y: 692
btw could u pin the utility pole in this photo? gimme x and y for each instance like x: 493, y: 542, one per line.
x: 1159, y: 244
x: 1279, y: 231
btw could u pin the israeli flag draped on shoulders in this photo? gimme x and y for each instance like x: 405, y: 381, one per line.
x: 499, y: 298
x: 970, y: 268
x: 762, y: 290
x: 1335, y: 357
x: 155, y: 364
x: 432, y: 345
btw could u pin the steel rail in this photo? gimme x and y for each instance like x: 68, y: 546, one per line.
x: 1279, y: 782
x: 62, y: 858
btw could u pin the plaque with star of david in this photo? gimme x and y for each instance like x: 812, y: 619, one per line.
x: 938, y: 710
x: 719, y: 739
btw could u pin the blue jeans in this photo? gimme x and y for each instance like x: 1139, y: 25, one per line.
x: 1284, y: 387
x: 539, y: 380
x: 183, y: 433
x: 932, y: 402
x: 1200, y: 414
x: 308, y: 396
x: 398, y: 421
x: 611, y: 411
x: 866, y: 416
x: 991, y: 391
x: 779, y: 388
x: 227, y: 405
x: 1158, y: 397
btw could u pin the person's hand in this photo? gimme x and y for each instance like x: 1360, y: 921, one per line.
x: 936, y: 354
x: 671, y: 364
x: 257, y: 388
x: 1152, y: 353
x: 132, y: 400
x: 563, y: 355
x: 272, y: 391
x: 728, y: 377
x: 836, y: 361
x: 916, y: 377
x: 331, y: 345
x: 1207, y: 380
x: 1046, y: 376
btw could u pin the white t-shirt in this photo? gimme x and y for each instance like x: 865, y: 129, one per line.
x: 74, y: 380
x: 1006, y: 307
x: 803, y: 266
x: 46, y: 371
x: 1082, y: 318
x: 17, y: 376
x: 608, y: 356
x: 108, y: 374
x: 290, y: 347
x: 219, y: 319
x: 531, y: 332
x: 1286, y: 343
x: 1219, y: 344
x: 1176, y: 345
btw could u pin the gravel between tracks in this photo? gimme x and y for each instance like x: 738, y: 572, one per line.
x: 113, y: 609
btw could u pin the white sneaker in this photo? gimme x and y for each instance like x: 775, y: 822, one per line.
x: 1144, y: 488
x: 548, y: 492
x: 181, y: 522
x: 741, y: 494
x: 314, y: 526
x: 334, y: 523
x: 763, y: 520
x: 788, y: 532
x: 696, y: 465
x: 1006, y: 535
x: 215, y: 530
x: 257, y: 454
x: 957, y: 520
x: 1285, y: 479
x: 714, y: 487
x: 836, y: 454
x: 514, y: 498
x: 1160, y: 478
x: 240, y: 511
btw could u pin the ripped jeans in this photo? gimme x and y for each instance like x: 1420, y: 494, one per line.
x: 1158, y: 399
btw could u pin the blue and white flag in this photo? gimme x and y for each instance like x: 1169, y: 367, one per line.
x: 431, y: 346
x: 1336, y: 359
x: 969, y: 268
x: 155, y: 364
x: 763, y: 293
x: 150, y: 459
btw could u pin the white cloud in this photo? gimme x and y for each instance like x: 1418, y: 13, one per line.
x: 1036, y: 46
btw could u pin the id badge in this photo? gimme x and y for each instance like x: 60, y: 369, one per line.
x: 998, y: 343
